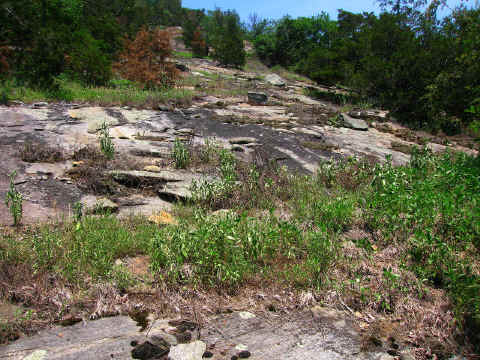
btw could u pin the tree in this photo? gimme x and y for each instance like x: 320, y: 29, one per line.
x: 145, y: 59
x: 227, y: 38
x: 198, y: 44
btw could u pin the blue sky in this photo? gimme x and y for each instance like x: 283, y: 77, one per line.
x: 277, y: 8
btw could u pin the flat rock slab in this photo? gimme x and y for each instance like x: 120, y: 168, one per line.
x: 94, y: 116
x: 317, y: 334
x: 103, y: 339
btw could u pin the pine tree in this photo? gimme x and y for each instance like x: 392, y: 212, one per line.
x: 228, y: 39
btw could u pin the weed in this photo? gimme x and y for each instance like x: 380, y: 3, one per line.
x: 180, y: 154
x: 335, y: 121
x: 106, y: 144
x: 183, y: 54
x: 77, y: 211
x: 14, y: 200
x: 209, y: 151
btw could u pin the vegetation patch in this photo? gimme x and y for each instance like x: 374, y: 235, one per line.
x: 385, y: 239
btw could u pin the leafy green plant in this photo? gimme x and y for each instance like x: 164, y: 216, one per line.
x: 106, y: 143
x: 180, y: 154
x: 14, y: 200
x: 77, y: 211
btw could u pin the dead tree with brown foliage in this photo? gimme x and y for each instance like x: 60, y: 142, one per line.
x: 4, y: 65
x: 145, y: 59
x: 198, y: 44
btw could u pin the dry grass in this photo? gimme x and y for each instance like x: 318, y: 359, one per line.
x: 38, y: 152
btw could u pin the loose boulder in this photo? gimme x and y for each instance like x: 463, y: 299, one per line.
x: 352, y: 123
x: 192, y: 351
x: 275, y: 80
x: 257, y: 98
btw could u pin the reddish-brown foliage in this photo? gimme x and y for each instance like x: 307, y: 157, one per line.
x: 199, y: 45
x: 145, y: 59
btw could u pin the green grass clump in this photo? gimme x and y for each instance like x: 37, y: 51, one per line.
x: 183, y: 54
x: 180, y: 154
x: 120, y: 92
x: 14, y: 200
x: 227, y: 250
x: 106, y: 143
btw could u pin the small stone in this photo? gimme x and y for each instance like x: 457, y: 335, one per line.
x: 238, y: 148
x: 244, y: 354
x: 118, y: 262
x: 386, y: 357
x: 147, y: 351
x: 39, y: 105
x: 183, y: 338
x: 242, y: 140
x: 393, y: 352
x: 77, y: 163
x: 241, y: 347
x: 191, y: 351
x: 163, y: 218
x: 245, y: 315
x: 36, y: 355
x: 407, y: 356
x: 152, y: 168
x: 185, y: 131
x: 98, y: 206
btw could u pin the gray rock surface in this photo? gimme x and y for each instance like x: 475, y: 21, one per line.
x: 308, y: 335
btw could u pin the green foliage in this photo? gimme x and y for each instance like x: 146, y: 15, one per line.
x: 228, y: 250
x: 106, y: 143
x: 77, y: 211
x: 87, y: 62
x: 191, y: 22
x: 424, y: 70
x: 14, y: 200
x: 226, y: 38
x: 180, y: 154
x: 432, y: 206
